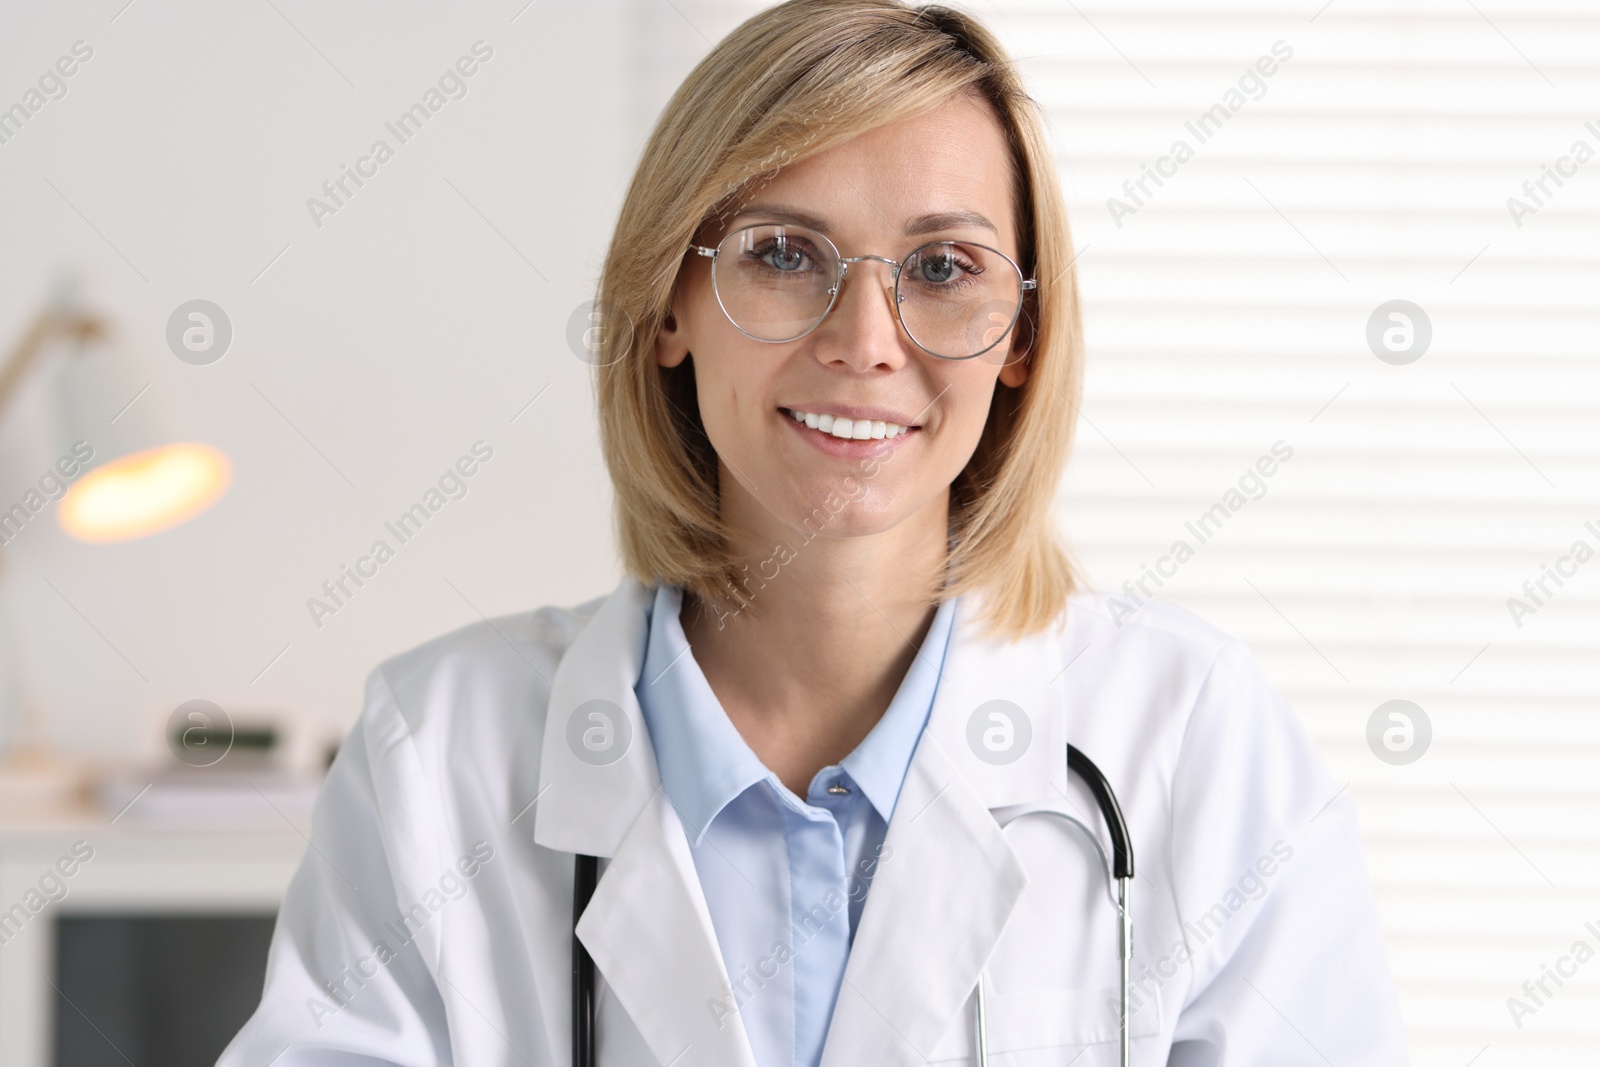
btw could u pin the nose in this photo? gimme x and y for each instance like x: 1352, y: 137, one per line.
x: 863, y: 332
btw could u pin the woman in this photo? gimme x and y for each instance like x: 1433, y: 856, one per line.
x: 817, y: 737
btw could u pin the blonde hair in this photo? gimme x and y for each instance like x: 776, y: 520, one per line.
x: 788, y: 83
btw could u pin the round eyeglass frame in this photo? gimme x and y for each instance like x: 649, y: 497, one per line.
x: 895, y: 267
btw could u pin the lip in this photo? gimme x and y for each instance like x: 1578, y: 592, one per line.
x: 848, y: 447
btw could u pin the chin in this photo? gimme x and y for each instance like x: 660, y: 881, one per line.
x: 847, y: 511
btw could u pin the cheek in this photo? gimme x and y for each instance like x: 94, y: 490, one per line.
x: 729, y: 386
x: 964, y: 417
x: 969, y: 391
x: 718, y: 411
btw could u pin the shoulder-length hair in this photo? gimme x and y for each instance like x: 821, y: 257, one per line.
x: 788, y: 83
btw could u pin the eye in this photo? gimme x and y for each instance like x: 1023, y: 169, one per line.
x: 943, y: 266
x: 938, y: 268
x: 783, y: 255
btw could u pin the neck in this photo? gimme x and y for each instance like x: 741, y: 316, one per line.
x: 833, y: 624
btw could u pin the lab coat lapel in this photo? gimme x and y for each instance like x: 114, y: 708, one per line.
x: 948, y: 880
x: 647, y: 925
x: 940, y: 896
x: 584, y: 804
x: 650, y: 933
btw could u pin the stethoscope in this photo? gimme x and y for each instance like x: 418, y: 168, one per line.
x: 1121, y: 871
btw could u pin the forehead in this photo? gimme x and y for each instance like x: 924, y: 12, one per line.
x: 876, y: 186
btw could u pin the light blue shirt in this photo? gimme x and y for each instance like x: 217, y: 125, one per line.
x: 784, y: 878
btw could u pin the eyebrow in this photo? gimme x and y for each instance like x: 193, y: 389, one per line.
x: 914, y: 227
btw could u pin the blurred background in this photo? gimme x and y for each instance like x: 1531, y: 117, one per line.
x: 1364, y: 234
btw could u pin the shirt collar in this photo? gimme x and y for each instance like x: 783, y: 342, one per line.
x: 704, y: 761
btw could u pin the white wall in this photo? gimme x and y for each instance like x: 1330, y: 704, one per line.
x: 420, y: 318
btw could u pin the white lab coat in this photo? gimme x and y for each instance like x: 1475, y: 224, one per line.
x: 1256, y: 932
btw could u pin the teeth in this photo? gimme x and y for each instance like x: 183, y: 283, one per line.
x: 850, y: 429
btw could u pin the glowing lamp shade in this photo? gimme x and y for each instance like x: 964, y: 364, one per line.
x: 145, y: 492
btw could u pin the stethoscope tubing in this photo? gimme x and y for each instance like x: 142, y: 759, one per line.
x: 584, y: 877
x: 583, y: 883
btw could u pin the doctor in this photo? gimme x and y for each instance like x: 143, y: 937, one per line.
x: 816, y: 739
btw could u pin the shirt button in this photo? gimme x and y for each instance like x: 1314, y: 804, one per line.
x: 838, y: 788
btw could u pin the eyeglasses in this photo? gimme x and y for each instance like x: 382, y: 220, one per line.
x: 956, y: 299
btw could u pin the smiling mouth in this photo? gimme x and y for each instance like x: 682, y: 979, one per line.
x: 849, y: 429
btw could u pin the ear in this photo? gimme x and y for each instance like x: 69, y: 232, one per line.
x: 672, y: 343
x: 1017, y: 365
